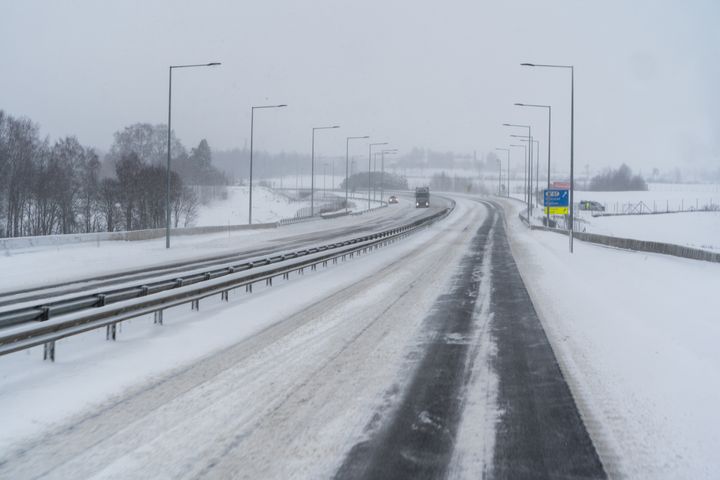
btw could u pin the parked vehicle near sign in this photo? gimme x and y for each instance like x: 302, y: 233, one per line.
x: 591, y: 206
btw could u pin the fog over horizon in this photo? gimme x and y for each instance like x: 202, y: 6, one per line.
x: 442, y: 76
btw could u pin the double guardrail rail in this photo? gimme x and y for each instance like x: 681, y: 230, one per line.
x: 43, y: 322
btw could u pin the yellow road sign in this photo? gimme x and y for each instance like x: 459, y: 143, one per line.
x: 557, y: 210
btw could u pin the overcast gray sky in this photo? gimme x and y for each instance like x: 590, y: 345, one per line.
x: 436, y: 74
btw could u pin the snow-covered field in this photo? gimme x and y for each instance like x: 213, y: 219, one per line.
x: 659, y: 197
x: 693, y: 229
x: 636, y: 335
x: 268, y: 206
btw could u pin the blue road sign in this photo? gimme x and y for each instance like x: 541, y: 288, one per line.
x: 556, y: 197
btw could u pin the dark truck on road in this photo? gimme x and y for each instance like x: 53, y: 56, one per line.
x: 422, y: 197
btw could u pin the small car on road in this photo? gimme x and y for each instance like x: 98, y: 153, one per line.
x: 393, y: 199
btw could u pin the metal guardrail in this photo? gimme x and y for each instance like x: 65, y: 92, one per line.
x: 77, y: 315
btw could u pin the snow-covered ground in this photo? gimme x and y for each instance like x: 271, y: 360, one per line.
x: 633, y: 332
x: 693, y: 229
x: 305, y: 386
x: 636, y: 335
x: 268, y: 206
x: 659, y: 197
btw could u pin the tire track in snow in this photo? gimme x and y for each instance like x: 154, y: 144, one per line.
x: 540, y: 433
x: 419, y: 439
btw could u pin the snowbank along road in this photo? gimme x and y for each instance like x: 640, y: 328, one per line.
x: 425, y: 359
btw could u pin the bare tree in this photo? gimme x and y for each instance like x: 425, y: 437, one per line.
x: 185, y: 207
x: 109, y: 201
x: 148, y: 142
x: 128, y: 170
x: 22, y: 146
x: 90, y: 190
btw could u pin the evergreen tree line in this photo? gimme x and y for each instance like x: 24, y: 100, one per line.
x: 63, y: 187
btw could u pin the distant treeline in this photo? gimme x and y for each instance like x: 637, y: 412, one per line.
x: 427, y: 158
x: 63, y: 187
x: 446, y: 183
x: 376, y: 180
x: 236, y: 162
x: 621, y: 179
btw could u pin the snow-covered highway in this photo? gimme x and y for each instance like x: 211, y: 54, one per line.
x: 422, y: 359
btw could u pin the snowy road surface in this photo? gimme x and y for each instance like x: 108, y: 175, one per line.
x: 422, y: 360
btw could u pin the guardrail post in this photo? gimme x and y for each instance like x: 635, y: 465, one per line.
x: 111, y: 332
x: 225, y: 295
x: 49, y: 351
x: 268, y: 281
x: 158, y: 317
x: 195, y: 305
x: 248, y: 288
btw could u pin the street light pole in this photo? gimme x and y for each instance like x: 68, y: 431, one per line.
x: 537, y: 169
x: 324, y: 180
x: 536, y: 143
x: 507, y: 151
x: 529, y: 212
x: 549, y: 109
x: 347, y: 165
x: 526, y: 161
x: 312, y: 168
x: 528, y: 167
x: 370, y: 145
x: 252, y: 127
x: 167, y: 174
x: 572, y: 139
x: 374, y: 183
x: 382, y: 168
